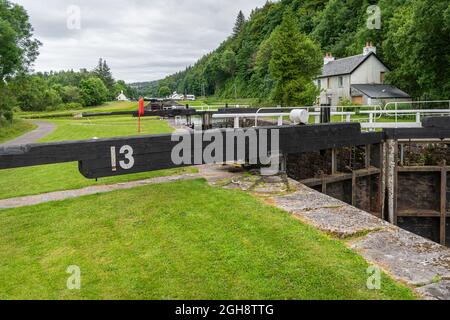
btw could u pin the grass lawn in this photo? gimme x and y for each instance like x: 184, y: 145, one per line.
x: 106, y: 107
x: 64, y: 176
x: 176, y: 241
x: 10, y: 131
x: 104, y: 127
x: 42, y: 179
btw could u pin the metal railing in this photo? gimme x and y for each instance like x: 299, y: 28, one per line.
x: 405, y: 114
x: 281, y: 113
x: 371, y: 117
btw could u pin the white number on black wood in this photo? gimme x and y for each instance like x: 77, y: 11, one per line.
x: 128, y: 164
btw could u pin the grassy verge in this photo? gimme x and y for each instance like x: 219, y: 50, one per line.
x: 106, y: 107
x: 65, y: 176
x: 10, y: 131
x: 104, y: 127
x: 36, y: 180
x: 176, y: 241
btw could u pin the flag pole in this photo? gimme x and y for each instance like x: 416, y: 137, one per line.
x: 141, y: 112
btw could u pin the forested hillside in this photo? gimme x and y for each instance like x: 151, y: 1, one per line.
x: 413, y: 41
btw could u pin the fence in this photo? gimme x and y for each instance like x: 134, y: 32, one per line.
x: 392, y: 115
x: 407, y: 114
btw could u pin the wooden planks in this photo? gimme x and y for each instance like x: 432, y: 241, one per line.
x: 423, y: 169
x: 341, y: 177
x: 155, y: 152
x: 417, y: 133
x: 418, y: 213
x: 436, y: 122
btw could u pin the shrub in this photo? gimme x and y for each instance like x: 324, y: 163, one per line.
x: 9, y: 115
x: 70, y: 94
x: 93, y: 91
x: 65, y: 106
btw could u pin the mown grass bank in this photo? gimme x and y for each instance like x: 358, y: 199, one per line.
x: 176, y: 241
x: 106, y: 107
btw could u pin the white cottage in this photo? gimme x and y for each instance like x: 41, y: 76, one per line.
x: 359, y: 79
x: 122, y: 97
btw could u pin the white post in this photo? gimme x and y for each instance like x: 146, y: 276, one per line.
x: 349, y: 117
x: 280, y: 121
x: 236, y: 123
x: 317, y: 118
x: 396, y: 115
x: 371, y: 121
x: 418, y: 117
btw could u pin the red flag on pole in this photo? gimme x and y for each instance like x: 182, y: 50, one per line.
x: 141, y: 112
x: 141, y: 107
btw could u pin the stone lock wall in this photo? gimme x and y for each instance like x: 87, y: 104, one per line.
x: 407, y: 190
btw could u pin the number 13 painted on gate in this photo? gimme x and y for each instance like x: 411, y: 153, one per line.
x: 127, y: 151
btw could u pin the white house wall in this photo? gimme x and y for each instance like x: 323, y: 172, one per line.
x: 369, y: 72
x: 336, y: 93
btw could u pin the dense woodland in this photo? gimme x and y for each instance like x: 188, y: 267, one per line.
x: 276, y: 49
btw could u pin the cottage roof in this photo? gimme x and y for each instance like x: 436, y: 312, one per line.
x: 344, y: 66
x: 381, y: 91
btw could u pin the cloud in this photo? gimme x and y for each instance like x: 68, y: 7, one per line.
x: 141, y: 40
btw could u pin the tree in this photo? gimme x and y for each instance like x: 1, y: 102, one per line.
x: 213, y: 73
x: 337, y: 24
x: 93, y: 91
x: 119, y: 87
x: 228, y: 62
x: 51, y: 98
x: 417, y: 47
x: 262, y: 79
x: 239, y: 25
x: 30, y: 92
x: 18, y: 50
x: 103, y: 72
x: 6, y: 102
x: 164, y: 92
x: 295, y: 62
x: 71, y: 94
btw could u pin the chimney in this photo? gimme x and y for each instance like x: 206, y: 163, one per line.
x: 328, y: 58
x: 369, y: 48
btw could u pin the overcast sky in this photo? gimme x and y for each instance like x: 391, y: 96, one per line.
x: 141, y: 39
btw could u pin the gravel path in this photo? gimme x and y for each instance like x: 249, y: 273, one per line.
x: 64, y: 195
x: 43, y: 130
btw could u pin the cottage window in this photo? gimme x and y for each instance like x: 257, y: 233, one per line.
x: 341, y: 82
